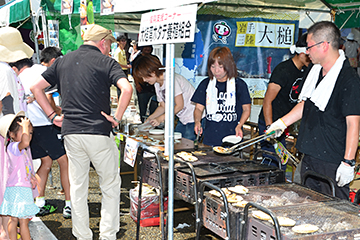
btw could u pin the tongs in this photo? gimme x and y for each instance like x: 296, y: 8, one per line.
x: 145, y: 126
x: 196, y: 141
x: 242, y: 145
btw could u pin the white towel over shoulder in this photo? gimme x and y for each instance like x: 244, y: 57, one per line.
x: 321, y: 94
x: 212, y: 93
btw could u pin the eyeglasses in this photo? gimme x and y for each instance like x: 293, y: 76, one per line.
x: 307, y: 48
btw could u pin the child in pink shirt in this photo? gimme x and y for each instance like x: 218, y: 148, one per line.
x: 18, y: 202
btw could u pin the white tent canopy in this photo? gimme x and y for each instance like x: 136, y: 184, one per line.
x: 145, y: 5
x: 17, y: 11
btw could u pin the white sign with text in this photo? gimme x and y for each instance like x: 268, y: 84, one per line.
x: 173, y: 25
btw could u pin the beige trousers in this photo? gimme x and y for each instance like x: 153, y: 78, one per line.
x: 103, y: 153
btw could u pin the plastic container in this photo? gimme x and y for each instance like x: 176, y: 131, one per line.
x: 149, y: 208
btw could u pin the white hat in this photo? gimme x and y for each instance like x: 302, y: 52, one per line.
x: 5, y: 123
x: 350, y: 36
x: 12, y: 46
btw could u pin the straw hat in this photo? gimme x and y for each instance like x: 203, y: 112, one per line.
x: 5, y: 123
x: 96, y: 32
x: 12, y: 46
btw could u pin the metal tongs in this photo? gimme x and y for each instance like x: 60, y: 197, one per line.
x: 196, y: 141
x: 242, y: 145
x: 145, y: 126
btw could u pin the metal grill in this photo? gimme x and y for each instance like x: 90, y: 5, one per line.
x: 284, y: 194
x: 184, y: 183
x: 335, y: 219
x: 269, y: 196
x: 150, y: 169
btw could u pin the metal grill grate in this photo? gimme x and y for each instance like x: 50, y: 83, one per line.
x: 279, y: 194
x: 335, y: 219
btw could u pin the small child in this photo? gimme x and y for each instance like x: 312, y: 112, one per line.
x: 18, y: 202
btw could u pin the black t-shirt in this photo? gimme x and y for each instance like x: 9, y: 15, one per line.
x: 224, y: 122
x: 84, y: 78
x: 322, y: 135
x: 289, y: 78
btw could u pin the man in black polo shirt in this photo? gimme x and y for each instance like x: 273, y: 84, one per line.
x: 84, y: 78
x: 330, y: 111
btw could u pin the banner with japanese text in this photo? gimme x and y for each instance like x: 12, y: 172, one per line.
x: 258, y: 44
x: 176, y: 25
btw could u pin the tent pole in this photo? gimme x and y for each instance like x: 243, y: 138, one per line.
x: 347, y: 20
x: 169, y: 131
x: 44, y: 27
x: 36, y: 43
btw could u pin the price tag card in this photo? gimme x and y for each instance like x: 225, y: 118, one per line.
x: 131, y: 148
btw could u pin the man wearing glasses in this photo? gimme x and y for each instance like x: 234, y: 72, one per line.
x: 329, y: 106
x: 84, y: 78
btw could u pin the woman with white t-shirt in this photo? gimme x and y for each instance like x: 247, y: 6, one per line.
x: 150, y: 70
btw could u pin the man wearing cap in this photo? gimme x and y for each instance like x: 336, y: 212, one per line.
x: 12, y: 95
x: 352, y: 50
x: 84, y: 78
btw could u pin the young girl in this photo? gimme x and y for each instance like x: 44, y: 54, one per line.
x: 18, y: 202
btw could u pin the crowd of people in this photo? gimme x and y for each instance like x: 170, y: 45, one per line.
x: 317, y: 85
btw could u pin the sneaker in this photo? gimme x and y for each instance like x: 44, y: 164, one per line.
x: 46, y: 209
x: 67, y: 212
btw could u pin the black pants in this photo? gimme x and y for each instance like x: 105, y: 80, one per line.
x: 324, y: 168
x: 143, y: 100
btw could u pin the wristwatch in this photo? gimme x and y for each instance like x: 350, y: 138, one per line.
x: 116, y: 120
x: 350, y: 162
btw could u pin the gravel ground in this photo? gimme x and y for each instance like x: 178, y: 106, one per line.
x: 61, y: 227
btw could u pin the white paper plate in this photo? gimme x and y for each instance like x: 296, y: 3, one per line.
x: 177, y: 135
x: 232, y: 139
x: 156, y: 131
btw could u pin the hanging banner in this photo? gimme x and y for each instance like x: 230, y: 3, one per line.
x: 107, y: 7
x: 264, y: 34
x: 67, y: 7
x: 168, y: 26
x: 258, y: 45
x: 53, y: 30
x: 86, y: 15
